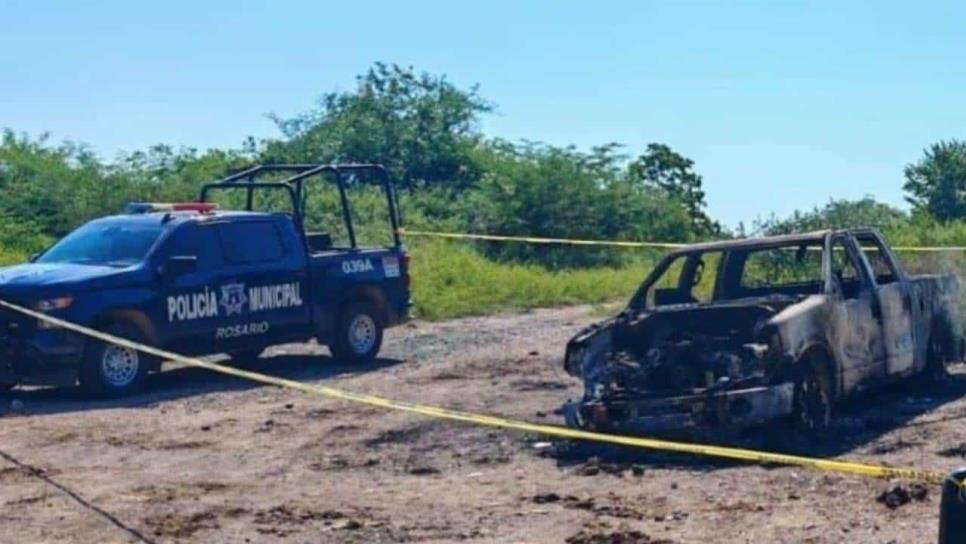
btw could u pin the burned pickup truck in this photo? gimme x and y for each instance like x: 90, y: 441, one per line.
x: 729, y: 334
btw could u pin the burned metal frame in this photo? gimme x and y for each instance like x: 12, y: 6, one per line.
x: 819, y: 241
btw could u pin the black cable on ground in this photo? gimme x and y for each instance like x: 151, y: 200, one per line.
x: 111, y: 518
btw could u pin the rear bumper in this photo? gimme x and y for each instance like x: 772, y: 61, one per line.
x: 399, y: 315
x: 721, y: 409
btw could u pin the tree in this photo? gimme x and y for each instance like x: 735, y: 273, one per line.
x: 937, y: 183
x: 425, y: 129
x: 539, y: 190
x: 673, y: 173
x: 422, y: 127
x: 838, y: 214
x: 54, y: 187
x: 163, y: 173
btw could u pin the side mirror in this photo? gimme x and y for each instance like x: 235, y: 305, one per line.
x: 33, y: 258
x: 177, y: 266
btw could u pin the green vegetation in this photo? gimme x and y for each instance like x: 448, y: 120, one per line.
x: 11, y: 256
x: 936, y: 183
x: 451, y: 279
x: 19, y: 238
x: 452, y: 177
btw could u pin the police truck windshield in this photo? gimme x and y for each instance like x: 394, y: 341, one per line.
x: 109, y: 243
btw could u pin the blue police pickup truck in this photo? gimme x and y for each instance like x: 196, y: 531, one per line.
x: 192, y: 279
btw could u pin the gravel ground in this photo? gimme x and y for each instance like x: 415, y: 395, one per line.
x: 204, y: 458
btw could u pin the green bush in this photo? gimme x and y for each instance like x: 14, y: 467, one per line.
x: 11, y: 256
x: 21, y: 236
x: 20, y: 239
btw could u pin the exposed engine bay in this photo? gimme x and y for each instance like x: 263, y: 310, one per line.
x: 687, y: 350
x: 674, y: 354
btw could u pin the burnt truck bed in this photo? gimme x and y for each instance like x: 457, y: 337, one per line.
x: 748, y: 331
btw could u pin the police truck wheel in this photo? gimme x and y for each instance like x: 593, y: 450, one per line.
x: 359, y: 335
x: 109, y: 370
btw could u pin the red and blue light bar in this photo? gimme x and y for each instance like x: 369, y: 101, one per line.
x: 152, y: 207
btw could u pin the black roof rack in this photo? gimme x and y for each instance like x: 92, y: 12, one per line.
x: 295, y: 185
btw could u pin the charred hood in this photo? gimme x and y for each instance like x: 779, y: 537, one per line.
x: 739, y: 321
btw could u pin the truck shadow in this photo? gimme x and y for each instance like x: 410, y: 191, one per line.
x: 177, y: 382
x: 858, y: 432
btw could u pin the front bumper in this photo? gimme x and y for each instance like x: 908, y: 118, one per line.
x: 32, y: 356
x: 720, y: 409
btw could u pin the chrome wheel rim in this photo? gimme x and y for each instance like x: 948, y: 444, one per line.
x: 362, y: 334
x: 119, y: 366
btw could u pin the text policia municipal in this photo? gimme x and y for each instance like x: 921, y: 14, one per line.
x: 233, y: 299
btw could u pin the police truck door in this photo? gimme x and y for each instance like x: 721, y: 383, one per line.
x: 263, y: 288
x: 189, y: 312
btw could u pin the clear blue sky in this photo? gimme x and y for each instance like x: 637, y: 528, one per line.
x: 782, y: 105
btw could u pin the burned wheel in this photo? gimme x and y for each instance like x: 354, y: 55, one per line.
x: 937, y: 367
x: 813, y: 398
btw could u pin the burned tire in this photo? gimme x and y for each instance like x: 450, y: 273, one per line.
x: 813, y: 398
x: 937, y: 367
x: 111, y: 371
x: 359, y: 333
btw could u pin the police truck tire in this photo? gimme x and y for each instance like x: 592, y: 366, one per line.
x: 111, y: 371
x: 359, y: 333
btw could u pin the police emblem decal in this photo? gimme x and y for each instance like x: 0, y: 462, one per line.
x: 233, y: 298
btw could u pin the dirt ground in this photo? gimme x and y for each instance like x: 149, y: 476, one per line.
x: 204, y: 458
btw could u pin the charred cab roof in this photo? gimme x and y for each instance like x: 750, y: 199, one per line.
x: 764, y: 242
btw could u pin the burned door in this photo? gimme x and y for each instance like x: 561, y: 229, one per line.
x: 895, y: 303
x: 855, y: 333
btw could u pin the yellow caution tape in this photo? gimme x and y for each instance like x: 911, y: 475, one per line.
x: 928, y: 248
x: 611, y: 243
x: 536, y: 240
x: 846, y: 467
